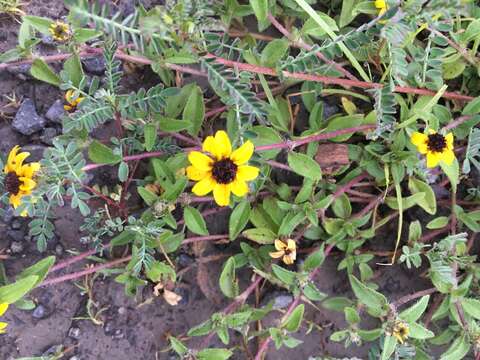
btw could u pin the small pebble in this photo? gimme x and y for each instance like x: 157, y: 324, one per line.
x: 108, y: 328
x: 48, y: 135
x: 184, y: 293
x: 122, y: 310
x: 16, y: 224
x: 118, y: 334
x: 16, y: 235
x: 40, y: 312
x: 16, y: 247
x: 184, y: 260
x: 26, y: 120
x: 59, y: 249
x: 94, y: 65
x: 282, y: 301
x: 74, y: 333
x: 56, y: 112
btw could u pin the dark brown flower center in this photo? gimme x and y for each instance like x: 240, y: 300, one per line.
x: 224, y: 171
x: 436, y: 142
x: 12, y: 183
x: 60, y: 30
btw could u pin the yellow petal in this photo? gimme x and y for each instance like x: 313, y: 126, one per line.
x: 30, y: 169
x: 3, y: 308
x: 288, y: 259
x: 200, y: 161
x: 221, y: 194
x: 28, y: 184
x: 24, y: 213
x: 380, y: 4
x: 67, y: 107
x: 69, y: 96
x: 204, y: 186
x: 210, y: 146
x: 239, y: 187
x: 291, y: 245
x: 247, y: 172
x: 449, y: 140
x: 19, y: 159
x: 432, y: 159
x: 15, y: 200
x: 280, y: 245
x: 447, y: 157
x: 194, y: 174
x: 418, y: 139
x: 222, y: 144
x: 243, y: 153
x: 276, y: 254
x: 3, y: 325
x: 13, y: 154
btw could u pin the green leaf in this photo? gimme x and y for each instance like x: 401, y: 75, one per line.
x: 351, y: 315
x: 437, y: 223
x: 260, y: 235
x: 453, y: 173
x: 265, y: 136
x: 294, y: 320
x: 194, y: 111
x: 40, y: 269
x: 304, y: 165
x: 343, y: 122
x: 102, y: 154
x: 286, y: 276
x: 147, y: 196
x: 150, y: 135
x: 457, y: 350
x: 172, y: 125
x: 341, y: 207
x: 290, y: 222
x: 73, y: 69
x: 260, y: 9
x: 417, y: 331
x: 471, y: 307
x: 41, y: 71
x: 389, y: 345
x: 214, y: 354
x: 170, y: 242
x: 13, y: 292
x: 238, y: 219
x: 314, y: 260
x: 414, y: 312
x: 428, y: 202
x: 194, y: 221
x: 178, y: 346
x: 39, y: 23
x: 123, y: 238
x: 337, y: 303
x: 311, y: 27
x: 228, y: 282
x: 370, y: 335
x: 84, y: 35
x: 473, y: 107
x: 273, y: 52
x: 368, y: 296
x: 453, y: 69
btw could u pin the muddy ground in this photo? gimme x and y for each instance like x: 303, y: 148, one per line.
x: 132, y: 328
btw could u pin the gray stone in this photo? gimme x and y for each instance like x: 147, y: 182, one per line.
x: 16, y: 224
x: 184, y: 260
x: 118, y: 334
x: 36, y: 152
x: 48, y: 135
x: 94, y: 65
x: 16, y: 247
x: 8, y: 215
x: 40, y: 312
x: 329, y: 110
x: 74, y: 333
x: 27, y: 121
x: 282, y: 301
x: 56, y: 112
x: 16, y: 235
x: 20, y: 71
x: 59, y: 249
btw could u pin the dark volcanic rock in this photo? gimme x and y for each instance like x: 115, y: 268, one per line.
x: 56, y: 112
x: 27, y: 121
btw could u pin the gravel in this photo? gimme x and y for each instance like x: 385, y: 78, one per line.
x: 27, y: 121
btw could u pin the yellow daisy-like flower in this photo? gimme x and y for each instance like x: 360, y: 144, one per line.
x: 3, y: 325
x: 72, y: 102
x: 60, y: 31
x: 19, y: 177
x: 400, y: 331
x: 223, y: 171
x: 382, y: 7
x: 436, y: 146
x: 287, y: 250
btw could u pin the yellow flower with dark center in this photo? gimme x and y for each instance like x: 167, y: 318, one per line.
x: 3, y: 325
x: 287, y: 250
x: 72, y: 102
x: 436, y: 146
x: 400, y: 331
x: 381, y: 6
x: 60, y: 31
x: 223, y: 171
x: 19, y: 177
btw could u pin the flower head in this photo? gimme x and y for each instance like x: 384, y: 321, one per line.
x: 60, y: 31
x: 436, y: 146
x: 400, y: 331
x: 72, y: 102
x: 287, y: 250
x: 382, y: 7
x: 3, y: 325
x: 222, y: 171
x: 19, y: 177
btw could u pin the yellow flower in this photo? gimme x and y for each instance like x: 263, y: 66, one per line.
x: 60, y: 31
x: 436, y: 146
x: 222, y: 171
x: 19, y: 177
x: 286, y: 249
x: 400, y: 331
x: 382, y: 7
x: 72, y: 102
x: 3, y: 325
